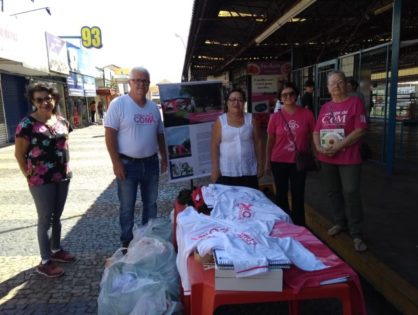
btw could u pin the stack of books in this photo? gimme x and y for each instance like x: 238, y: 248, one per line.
x: 225, y: 278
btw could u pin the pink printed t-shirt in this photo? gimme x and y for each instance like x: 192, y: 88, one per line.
x: 301, y: 123
x: 348, y: 115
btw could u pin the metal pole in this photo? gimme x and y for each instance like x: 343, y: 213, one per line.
x: 396, y: 32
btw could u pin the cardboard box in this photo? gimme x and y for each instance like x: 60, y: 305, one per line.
x: 271, y: 281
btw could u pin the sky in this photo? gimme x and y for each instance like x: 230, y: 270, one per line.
x: 134, y: 32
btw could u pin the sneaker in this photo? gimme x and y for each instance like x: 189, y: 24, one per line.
x: 336, y: 229
x: 63, y: 256
x: 359, y: 245
x: 125, y: 245
x: 49, y: 269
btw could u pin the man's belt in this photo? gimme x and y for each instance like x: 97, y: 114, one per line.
x: 128, y: 158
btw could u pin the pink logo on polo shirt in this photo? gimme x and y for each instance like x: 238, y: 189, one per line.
x: 144, y: 119
x: 245, y: 210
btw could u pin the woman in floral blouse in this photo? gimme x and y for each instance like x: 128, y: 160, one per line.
x: 41, y: 150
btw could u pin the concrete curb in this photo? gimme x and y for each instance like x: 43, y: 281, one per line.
x: 395, y: 289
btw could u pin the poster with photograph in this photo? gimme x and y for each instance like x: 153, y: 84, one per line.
x: 267, y: 78
x: 189, y: 111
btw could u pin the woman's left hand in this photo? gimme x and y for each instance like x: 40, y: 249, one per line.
x: 334, y: 148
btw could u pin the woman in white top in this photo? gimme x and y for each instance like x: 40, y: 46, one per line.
x: 236, y: 145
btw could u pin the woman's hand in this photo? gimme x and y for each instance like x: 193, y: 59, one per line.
x: 334, y: 148
x: 330, y: 150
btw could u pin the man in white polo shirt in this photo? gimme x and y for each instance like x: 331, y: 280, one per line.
x: 134, y: 134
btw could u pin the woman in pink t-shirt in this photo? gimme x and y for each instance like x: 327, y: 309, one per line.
x: 289, y: 129
x: 338, y: 132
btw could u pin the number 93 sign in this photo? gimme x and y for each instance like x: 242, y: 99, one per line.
x: 91, y: 37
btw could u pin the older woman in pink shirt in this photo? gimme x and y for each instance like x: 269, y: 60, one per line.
x: 338, y: 135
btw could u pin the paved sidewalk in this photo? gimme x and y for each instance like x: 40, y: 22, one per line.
x: 90, y: 230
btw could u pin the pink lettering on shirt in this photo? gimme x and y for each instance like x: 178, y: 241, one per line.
x: 336, y: 118
x: 247, y: 238
x: 209, y: 233
x: 141, y: 119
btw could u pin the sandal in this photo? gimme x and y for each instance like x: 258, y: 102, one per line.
x: 336, y: 229
x: 359, y: 245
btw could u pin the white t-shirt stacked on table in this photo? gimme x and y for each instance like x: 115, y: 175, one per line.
x: 246, y: 240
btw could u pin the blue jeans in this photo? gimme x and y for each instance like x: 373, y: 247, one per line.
x: 144, y: 173
x: 49, y: 201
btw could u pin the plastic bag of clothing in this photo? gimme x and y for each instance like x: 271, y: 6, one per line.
x: 156, y: 303
x: 120, y: 292
x: 156, y: 259
x: 148, y: 266
x: 158, y: 227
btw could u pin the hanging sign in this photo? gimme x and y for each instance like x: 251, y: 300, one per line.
x: 91, y: 37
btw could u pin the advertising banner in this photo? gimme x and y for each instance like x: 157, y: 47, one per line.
x: 11, y: 41
x: 57, y: 54
x: 189, y: 111
x: 89, y: 84
x: 264, y: 94
x: 75, y: 84
x: 73, y: 57
x: 269, y: 67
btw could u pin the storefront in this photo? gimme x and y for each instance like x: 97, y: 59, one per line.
x: 14, y: 105
x: 77, y: 103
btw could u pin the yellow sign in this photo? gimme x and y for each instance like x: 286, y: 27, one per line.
x: 91, y: 37
x: 122, y: 71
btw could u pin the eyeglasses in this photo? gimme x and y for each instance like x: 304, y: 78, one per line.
x: 334, y: 83
x: 41, y: 100
x: 239, y: 100
x: 140, y: 81
x: 290, y: 94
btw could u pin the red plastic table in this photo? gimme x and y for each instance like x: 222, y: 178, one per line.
x: 204, y: 299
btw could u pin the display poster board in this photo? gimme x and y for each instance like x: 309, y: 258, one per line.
x: 267, y: 78
x: 189, y: 111
x: 264, y: 96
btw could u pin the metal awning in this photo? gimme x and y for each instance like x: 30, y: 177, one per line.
x: 227, y: 34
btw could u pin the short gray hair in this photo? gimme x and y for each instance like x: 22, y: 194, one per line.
x: 139, y: 69
x: 337, y: 72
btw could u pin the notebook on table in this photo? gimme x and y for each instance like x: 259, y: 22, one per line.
x: 225, y: 277
x: 224, y: 262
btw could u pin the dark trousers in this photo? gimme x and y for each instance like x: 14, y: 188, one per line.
x: 285, y: 173
x: 247, y: 181
x: 92, y: 114
x: 342, y: 183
